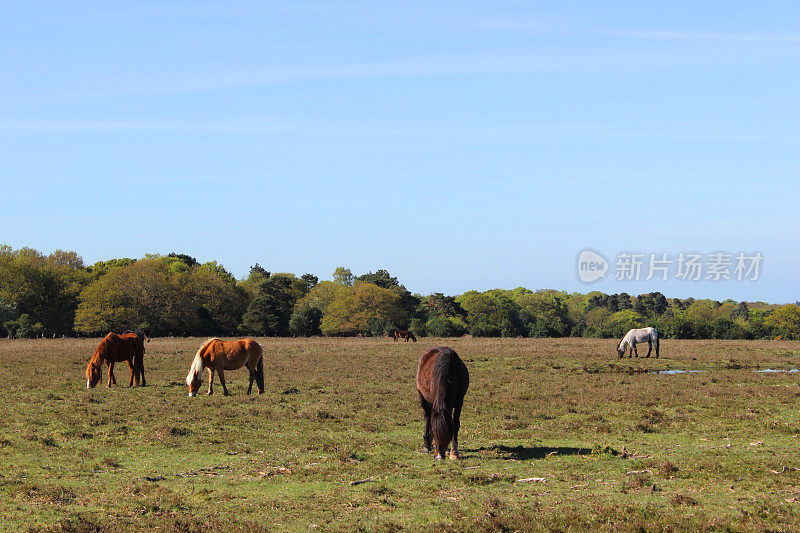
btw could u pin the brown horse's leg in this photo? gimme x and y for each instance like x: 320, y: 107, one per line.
x: 134, y: 375
x: 140, y: 369
x: 210, y: 381
x: 252, y: 379
x: 111, y: 378
x: 456, y: 425
x: 222, y: 380
x: 426, y: 437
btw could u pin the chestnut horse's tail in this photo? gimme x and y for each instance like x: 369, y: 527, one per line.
x: 442, y: 421
x: 260, y: 370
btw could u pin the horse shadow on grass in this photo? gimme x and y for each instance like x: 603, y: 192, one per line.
x: 525, y: 453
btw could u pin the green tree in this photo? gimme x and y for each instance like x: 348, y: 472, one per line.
x: 269, y: 312
x: 440, y: 326
x: 219, y: 301
x: 491, y: 313
x: 343, y: 276
x: 356, y: 309
x: 305, y: 321
x: 45, y: 289
x: 254, y: 280
x: 619, y: 323
x: 145, y: 293
x: 544, y: 314
x: 784, y: 321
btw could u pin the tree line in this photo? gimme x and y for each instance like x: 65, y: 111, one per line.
x: 174, y: 294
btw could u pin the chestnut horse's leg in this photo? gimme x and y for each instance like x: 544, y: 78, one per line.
x: 222, y: 380
x: 252, y: 378
x: 210, y: 381
x: 426, y: 437
x: 133, y: 373
x: 111, y: 378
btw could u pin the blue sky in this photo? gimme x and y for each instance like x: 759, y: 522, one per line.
x: 467, y: 145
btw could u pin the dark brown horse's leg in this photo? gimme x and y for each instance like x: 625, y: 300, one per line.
x: 141, y: 370
x: 427, y: 440
x: 222, y: 380
x: 456, y: 425
x: 210, y: 381
x: 111, y: 378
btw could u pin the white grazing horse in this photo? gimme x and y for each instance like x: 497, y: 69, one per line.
x: 648, y: 335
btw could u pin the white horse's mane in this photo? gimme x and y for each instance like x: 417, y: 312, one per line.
x: 197, y: 362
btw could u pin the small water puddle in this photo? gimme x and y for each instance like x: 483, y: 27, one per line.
x: 677, y: 371
x: 777, y: 370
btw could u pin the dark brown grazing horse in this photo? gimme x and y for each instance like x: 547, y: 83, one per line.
x: 403, y: 334
x: 442, y: 382
x: 138, y: 362
x: 221, y: 355
x: 115, y: 349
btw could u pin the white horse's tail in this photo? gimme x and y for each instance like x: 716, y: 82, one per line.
x: 197, y: 363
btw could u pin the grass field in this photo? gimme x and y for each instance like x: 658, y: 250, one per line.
x: 619, y: 447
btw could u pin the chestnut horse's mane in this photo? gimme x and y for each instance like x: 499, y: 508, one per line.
x: 100, y: 351
x: 197, y: 362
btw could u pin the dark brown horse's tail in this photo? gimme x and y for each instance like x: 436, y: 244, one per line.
x: 260, y: 374
x: 442, y: 421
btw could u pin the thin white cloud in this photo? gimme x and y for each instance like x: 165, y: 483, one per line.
x: 585, y: 131
x: 699, y: 36
x: 468, y: 64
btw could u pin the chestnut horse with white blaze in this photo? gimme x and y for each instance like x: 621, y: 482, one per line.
x: 442, y: 382
x: 221, y: 355
x: 115, y: 349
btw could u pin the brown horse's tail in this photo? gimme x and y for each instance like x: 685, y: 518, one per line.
x: 442, y: 420
x: 260, y: 372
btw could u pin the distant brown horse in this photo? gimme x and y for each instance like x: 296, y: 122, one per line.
x: 115, y: 349
x: 403, y: 334
x: 138, y: 361
x: 442, y: 382
x: 221, y: 355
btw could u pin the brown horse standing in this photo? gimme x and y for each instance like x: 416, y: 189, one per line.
x: 115, y: 349
x: 138, y: 362
x: 403, y: 334
x: 442, y: 382
x: 221, y: 355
